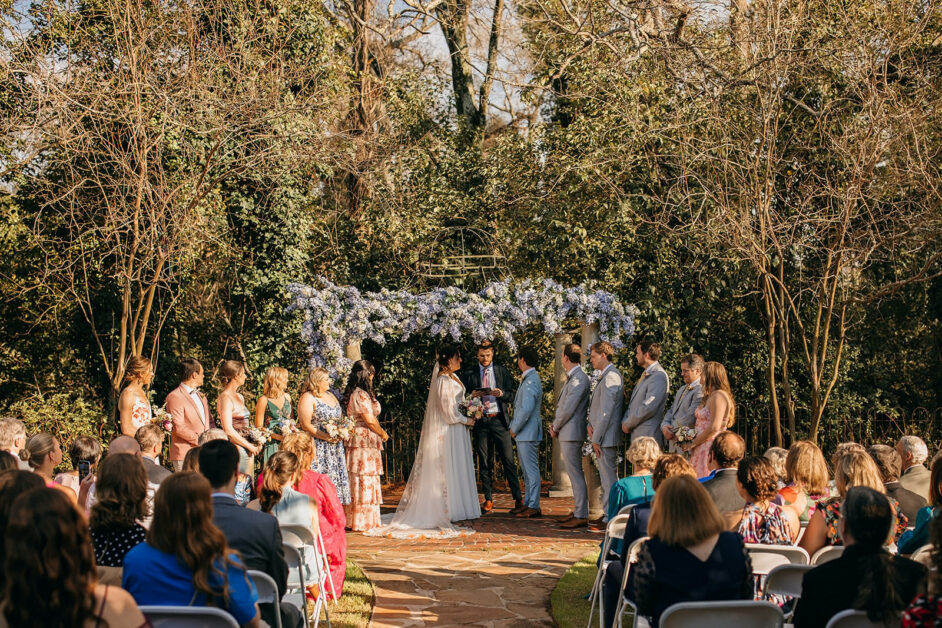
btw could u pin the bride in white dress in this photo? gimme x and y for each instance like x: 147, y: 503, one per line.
x: 441, y: 487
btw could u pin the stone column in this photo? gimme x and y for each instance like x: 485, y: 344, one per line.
x: 561, y: 486
x: 590, y: 335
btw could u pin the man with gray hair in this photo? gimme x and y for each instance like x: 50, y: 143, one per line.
x: 914, y: 453
x: 686, y: 401
x: 13, y: 439
x: 213, y: 433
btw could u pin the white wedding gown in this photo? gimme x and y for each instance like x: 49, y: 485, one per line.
x: 441, y: 487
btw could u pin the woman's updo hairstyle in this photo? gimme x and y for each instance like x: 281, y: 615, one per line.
x: 229, y: 370
x: 37, y: 447
x: 138, y: 366
x: 445, y: 353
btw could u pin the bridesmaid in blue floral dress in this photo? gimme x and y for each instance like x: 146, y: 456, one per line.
x: 317, y: 406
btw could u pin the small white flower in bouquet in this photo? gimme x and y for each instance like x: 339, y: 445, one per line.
x: 162, y: 418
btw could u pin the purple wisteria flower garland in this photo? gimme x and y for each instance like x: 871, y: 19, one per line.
x: 335, y: 316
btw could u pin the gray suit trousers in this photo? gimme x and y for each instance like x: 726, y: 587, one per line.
x: 608, y: 475
x: 572, y: 458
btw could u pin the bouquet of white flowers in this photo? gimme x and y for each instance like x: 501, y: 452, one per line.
x: 472, y: 407
x: 339, y: 427
x: 257, y: 435
x: 685, y: 434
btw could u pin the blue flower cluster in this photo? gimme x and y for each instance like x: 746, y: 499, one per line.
x: 335, y: 316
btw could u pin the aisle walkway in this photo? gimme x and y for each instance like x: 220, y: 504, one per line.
x: 501, y: 576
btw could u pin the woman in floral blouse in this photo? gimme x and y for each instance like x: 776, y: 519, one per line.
x: 364, y: 449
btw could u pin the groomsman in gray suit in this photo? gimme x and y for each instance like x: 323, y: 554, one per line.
x: 605, y: 410
x: 527, y: 427
x: 570, y: 428
x: 685, y: 403
x: 648, y: 397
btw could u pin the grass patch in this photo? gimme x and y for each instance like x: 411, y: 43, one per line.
x: 355, y: 605
x: 568, y: 605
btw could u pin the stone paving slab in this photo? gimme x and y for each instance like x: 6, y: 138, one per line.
x: 501, y: 576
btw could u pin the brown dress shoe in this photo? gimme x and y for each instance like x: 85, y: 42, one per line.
x: 597, y: 525
x: 518, y: 508
x: 568, y: 517
x: 530, y: 513
x: 487, y: 506
x: 575, y: 523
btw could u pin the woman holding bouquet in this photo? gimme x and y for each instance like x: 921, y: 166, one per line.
x: 234, y: 417
x: 273, y: 409
x: 133, y: 407
x: 318, y: 408
x: 364, y: 449
x: 716, y: 413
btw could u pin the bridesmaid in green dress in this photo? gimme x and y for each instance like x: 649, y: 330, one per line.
x: 273, y: 409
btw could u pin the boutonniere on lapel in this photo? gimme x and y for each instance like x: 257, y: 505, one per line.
x: 594, y: 378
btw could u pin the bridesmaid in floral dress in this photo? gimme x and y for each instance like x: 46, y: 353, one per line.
x: 316, y: 406
x: 716, y: 413
x: 364, y: 449
x: 234, y: 418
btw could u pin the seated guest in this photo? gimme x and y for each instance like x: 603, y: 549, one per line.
x: 42, y: 589
x: 244, y: 485
x: 806, y: 479
x: 330, y: 514
x: 914, y: 477
x: 13, y: 439
x: 151, y: 439
x: 636, y: 488
x: 727, y: 450
x: 121, y: 491
x: 8, y: 461
x: 120, y: 445
x: 191, y: 461
x: 85, y: 451
x: 690, y: 557
x: 889, y: 464
x: 668, y: 466
x: 13, y: 483
x: 854, y: 468
x: 255, y: 535
x: 866, y: 577
x: 43, y: 455
x: 911, y: 540
x: 777, y: 455
x: 185, y: 560
x: 762, y: 521
x: 925, y: 611
x: 289, y: 506
x: 213, y: 433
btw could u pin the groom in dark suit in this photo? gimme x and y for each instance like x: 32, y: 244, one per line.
x: 493, y: 431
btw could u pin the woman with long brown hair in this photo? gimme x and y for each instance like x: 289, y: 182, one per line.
x: 185, y: 560
x: 316, y: 407
x: 133, y: 405
x: 364, y: 449
x: 41, y: 589
x: 121, y: 493
x: 716, y: 413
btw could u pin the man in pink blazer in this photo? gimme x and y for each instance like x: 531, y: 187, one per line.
x: 190, y: 412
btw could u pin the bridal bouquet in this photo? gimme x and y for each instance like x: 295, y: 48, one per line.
x: 162, y: 418
x: 472, y: 407
x: 257, y: 435
x: 685, y: 434
x: 339, y: 427
x: 589, y: 450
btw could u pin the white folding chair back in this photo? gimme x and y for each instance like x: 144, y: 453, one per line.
x: 922, y: 553
x: 188, y: 617
x: 614, y: 530
x: 326, y: 564
x: 858, y: 619
x: 303, y: 540
x: 635, y: 548
x: 304, y: 534
x: 827, y: 554
x: 267, y: 592
x: 623, y: 602
x: 296, y: 585
x: 738, y: 613
x: 786, y: 580
x: 765, y: 558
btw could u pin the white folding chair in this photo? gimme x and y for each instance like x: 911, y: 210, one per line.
x: 921, y: 554
x: 765, y: 558
x: 307, y: 537
x: 295, y: 561
x: 858, y: 619
x: 614, y: 530
x: 785, y: 580
x: 827, y: 554
x: 739, y: 613
x: 188, y: 617
x: 267, y: 592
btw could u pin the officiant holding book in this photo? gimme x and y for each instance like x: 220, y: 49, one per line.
x: 494, y: 385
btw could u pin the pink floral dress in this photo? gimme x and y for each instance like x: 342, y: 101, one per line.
x: 700, y: 455
x: 364, y: 465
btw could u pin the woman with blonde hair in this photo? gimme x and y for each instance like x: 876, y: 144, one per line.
x: 806, y: 477
x: 234, y: 418
x: 317, y: 406
x: 854, y: 468
x: 273, y: 409
x: 133, y: 405
x: 637, y: 488
x: 43, y: 453
x: 331, y: 518
x: 690, y: 557
x: 716, y: 413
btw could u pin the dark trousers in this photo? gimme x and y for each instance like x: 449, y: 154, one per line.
x: 488, y: 434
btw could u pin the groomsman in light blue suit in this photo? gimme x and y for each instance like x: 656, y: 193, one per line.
x: 527, y: 428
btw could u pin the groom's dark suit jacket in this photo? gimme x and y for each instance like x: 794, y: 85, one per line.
x: 471, y: 378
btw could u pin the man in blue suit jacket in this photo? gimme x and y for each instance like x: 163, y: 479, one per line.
x: 527, y: 428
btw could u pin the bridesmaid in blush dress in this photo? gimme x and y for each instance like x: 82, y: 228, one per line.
x: 716, y: 413
x: 133, y: 406
x: 364, y: 449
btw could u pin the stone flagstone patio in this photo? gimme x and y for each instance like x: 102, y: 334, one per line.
x: 501, y: 576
